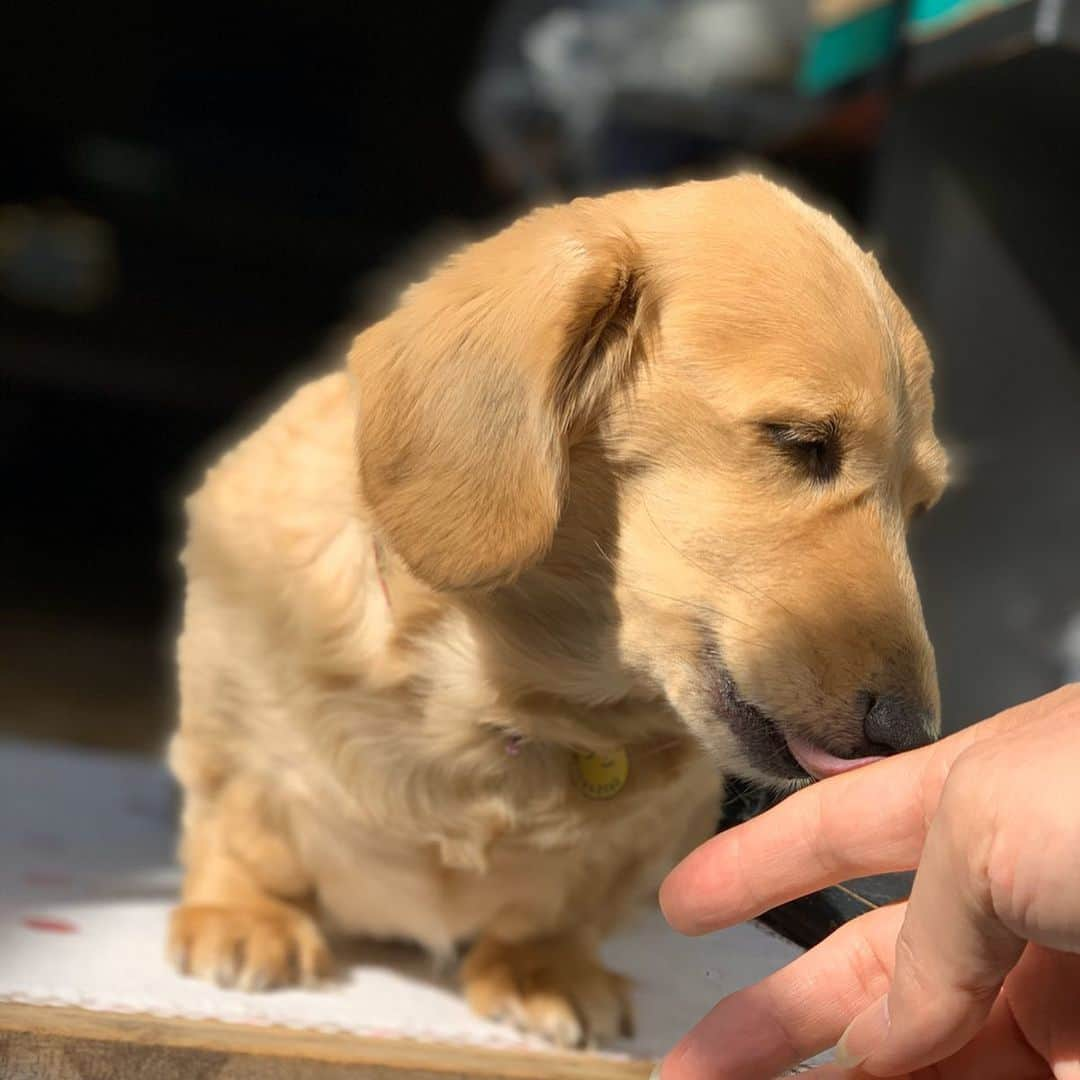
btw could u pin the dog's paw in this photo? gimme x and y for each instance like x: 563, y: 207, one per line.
x: 553, y: 988
x: 247, y: 948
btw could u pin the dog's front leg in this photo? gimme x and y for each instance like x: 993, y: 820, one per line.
x: 245, y: 918
x: 554, y: 986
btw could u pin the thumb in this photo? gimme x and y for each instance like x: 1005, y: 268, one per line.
x: 952, y: 952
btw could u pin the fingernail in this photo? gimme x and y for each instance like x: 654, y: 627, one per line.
x: 655, y: 1074
x: 864, y: 1034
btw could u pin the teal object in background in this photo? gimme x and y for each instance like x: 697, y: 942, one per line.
x: 925, y: 10
x: 933, y: 16
x: 838, y: 53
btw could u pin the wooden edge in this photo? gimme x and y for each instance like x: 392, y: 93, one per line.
x: 65, y: 1023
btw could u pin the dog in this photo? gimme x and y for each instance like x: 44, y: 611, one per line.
x: 610, y: 506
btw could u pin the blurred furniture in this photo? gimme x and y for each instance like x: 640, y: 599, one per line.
x: 946, y: 36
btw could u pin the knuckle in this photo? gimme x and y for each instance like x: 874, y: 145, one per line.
x: 922, y: 983
x: 785, y: 1035
x: 868, y: 967
x: 912, y: 984
x: 820, y: 829
x: 968, y: 791
x: 969, y: 767
x: 968, y: 816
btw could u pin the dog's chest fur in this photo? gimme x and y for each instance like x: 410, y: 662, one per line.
x: 438, y: 852
x: 368, y: 737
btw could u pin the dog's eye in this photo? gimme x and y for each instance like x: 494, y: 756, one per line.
x: 814, y: 448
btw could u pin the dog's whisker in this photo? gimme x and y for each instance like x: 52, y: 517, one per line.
x: 753, y: 591
x: 706, y: 608
x: 700, y: 605
x: 709, y: 572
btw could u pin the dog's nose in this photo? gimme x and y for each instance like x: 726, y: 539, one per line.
x: 895, y: 725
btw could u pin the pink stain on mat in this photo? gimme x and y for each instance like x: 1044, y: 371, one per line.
x: 50, y: 926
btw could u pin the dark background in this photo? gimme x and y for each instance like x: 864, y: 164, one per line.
x: 248, y: 169
x: 252, y: 164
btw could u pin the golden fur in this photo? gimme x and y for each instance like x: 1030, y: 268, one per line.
x: 554, y: 455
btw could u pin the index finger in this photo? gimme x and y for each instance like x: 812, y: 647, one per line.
x: 869, y: 821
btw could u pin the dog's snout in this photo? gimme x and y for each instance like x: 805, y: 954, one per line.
x: 893, y: 724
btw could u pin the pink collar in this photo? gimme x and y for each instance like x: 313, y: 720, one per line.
x: 377, y: 552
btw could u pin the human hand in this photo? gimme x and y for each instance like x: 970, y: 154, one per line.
x: 979, y: 971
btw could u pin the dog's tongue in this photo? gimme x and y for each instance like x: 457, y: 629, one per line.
x: 819, y: 763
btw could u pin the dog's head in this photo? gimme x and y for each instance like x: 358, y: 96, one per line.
x: 673, y: 439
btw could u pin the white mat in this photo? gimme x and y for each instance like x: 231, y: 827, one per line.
x: 87, y: 879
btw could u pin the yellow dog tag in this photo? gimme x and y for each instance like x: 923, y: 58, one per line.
x: 601, y: 776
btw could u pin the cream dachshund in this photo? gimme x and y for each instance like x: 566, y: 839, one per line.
x: 615, y: 503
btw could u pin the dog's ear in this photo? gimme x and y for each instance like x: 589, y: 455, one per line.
x: 469, y: 394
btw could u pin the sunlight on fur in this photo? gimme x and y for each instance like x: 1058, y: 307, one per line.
x: 632, y: 476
